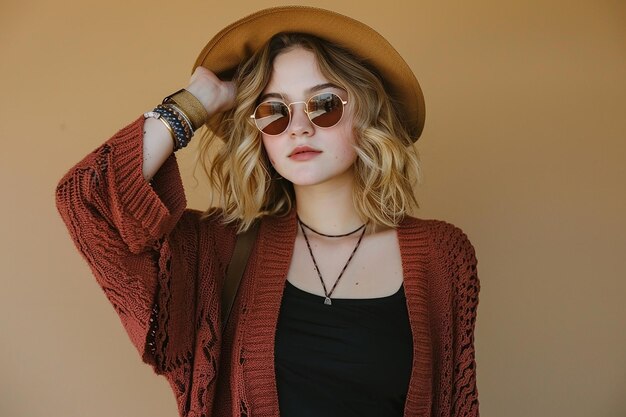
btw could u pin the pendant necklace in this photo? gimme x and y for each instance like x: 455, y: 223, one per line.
x: 327, y: 294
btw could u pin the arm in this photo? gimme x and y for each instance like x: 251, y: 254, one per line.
x: 214, y: 94
x: 453, y: 302
x: 118, y: 222
x: 123, y: 225
x: 466, y: 287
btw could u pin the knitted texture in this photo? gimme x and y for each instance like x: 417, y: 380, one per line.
x: 162, y: 269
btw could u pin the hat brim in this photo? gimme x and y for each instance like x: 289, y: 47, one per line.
x: 240, y: 40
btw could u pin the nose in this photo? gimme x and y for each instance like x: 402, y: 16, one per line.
x: 300, y: 124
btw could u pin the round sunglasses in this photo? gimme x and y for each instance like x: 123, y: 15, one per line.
x: 274, y: 116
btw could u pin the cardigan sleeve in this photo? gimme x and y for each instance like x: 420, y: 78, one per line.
x: 453, y: 303
x: 120, y: 224
x: 465, y: 288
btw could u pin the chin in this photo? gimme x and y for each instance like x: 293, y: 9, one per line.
x: 312, y: 179
x: 310, y: 175
x: 303, y: 182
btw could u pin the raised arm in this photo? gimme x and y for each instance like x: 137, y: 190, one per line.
x: 214, y: 94
x: 122, y: 204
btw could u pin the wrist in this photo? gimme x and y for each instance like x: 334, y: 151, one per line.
x: 203, y: 96
x: 190, y: 107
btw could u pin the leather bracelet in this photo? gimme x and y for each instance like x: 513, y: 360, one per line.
x: 190, y: 105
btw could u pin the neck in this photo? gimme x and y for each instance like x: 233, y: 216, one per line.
x: 328, y: 208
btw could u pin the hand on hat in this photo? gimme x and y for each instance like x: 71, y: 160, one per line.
x: 214, y: 94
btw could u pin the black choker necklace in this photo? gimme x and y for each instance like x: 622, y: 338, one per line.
x: 323, y: 234
x: 327, y: 294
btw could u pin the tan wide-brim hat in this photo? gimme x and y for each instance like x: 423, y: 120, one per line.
x: 240, y: 40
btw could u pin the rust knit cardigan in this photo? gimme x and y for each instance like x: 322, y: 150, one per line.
x: 161, y: 268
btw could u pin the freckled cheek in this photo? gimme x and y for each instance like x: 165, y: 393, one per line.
x: 347, y: 153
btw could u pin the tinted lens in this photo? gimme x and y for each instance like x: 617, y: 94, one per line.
x: 325, y: 110
x: 272, y: 117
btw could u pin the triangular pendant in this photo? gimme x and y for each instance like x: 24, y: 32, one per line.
x: 327, y: 301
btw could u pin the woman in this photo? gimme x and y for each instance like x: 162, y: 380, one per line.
x: 348, y: 306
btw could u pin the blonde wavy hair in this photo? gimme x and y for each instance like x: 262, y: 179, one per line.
x: 245, y: 183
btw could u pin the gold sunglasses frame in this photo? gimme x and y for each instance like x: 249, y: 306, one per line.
x: 306, y: 105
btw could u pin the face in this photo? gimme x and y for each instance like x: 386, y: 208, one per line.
x: 328, y: 154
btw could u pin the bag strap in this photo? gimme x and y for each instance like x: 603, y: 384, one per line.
x: 238, y: 262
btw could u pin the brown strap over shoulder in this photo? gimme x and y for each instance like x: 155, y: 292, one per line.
x: 238, y: 262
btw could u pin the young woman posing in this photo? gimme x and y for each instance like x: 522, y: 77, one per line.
x: 348, y: 306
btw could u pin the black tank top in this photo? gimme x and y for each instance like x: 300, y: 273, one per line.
x: 352, y: 358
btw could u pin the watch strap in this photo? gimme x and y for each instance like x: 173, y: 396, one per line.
x: 190, y: 106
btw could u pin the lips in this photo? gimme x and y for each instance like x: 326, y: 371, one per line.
x: 303, y: 153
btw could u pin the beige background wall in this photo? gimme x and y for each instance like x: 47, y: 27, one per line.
x: 524, y: 148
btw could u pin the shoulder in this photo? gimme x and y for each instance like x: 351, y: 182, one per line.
x: 436, y: 232
x: 444, y: 240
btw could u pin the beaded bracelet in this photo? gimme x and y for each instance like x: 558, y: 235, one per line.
x: 181, y: 113
x: 155, y: 115
x: 182, y: 131
x: 173, y: 107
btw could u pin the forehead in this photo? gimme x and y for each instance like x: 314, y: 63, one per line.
x: 294, y: 73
